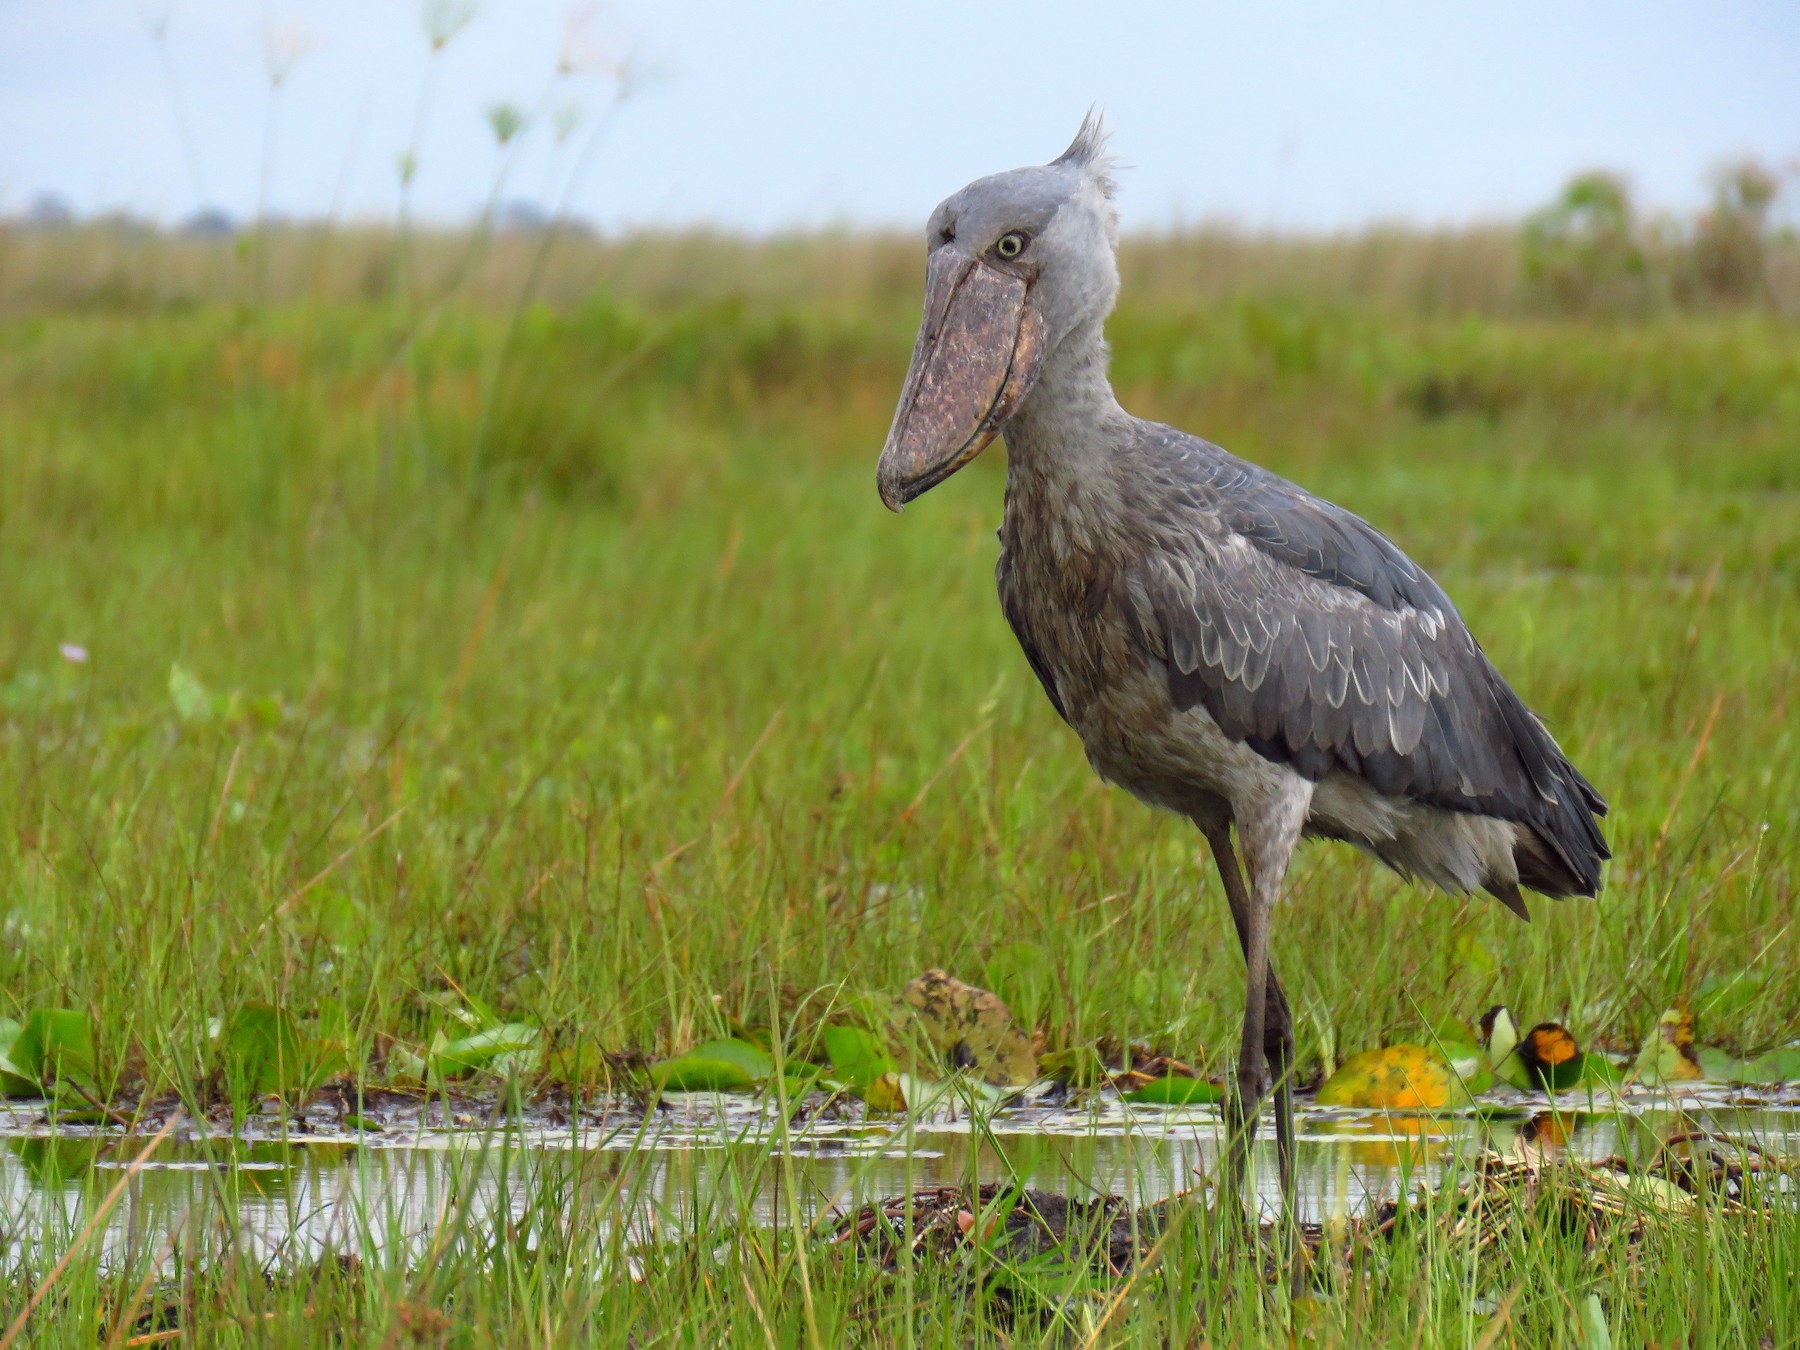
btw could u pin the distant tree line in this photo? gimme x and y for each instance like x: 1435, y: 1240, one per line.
x: 1591, y: 252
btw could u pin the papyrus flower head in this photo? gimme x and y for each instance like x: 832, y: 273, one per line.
x: 507, y: 121
x: 444, y: 19
x: 285, y: 41
x: 591, y: 44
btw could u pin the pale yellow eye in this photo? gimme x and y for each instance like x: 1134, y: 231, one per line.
x: 1010, y: 245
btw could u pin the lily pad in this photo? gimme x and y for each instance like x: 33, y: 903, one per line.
x: 1176, y: 1091
x: 862, y: 1063
x: 1777, y: 1066
x: 1501, y: 1040
x: 1669, y: 1056
x: 694, y: 1072
x: 14, y: 1082
x: 1395, y: 1078
x: 510, y: 1047
x: 1672, y: 1056
x: 858, y: 1057
x: 55, y: 1044
x: 753, y: 1059
x: 728, y: 1065
x: 1500, y: 1037
x: 1467, y: 1058
x: 1545, y: 1059
x: 1551, y: 1058
x: 582, y: 1063
x: 264, y: 1052
x: 971, y: 1030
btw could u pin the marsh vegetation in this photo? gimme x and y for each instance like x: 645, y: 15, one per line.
x: 505, y: 687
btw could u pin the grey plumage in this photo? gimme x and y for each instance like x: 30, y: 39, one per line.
x: 1225, y: 644
x: 1304, y: 634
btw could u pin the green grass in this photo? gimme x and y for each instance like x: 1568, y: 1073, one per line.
x: 580, y: 672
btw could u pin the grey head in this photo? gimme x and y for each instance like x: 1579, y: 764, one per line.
x: 1016, y: 263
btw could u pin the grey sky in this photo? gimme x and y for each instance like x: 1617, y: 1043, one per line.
x: 785, y: 113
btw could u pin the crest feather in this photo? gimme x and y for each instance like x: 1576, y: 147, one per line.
x: 1088, y: 152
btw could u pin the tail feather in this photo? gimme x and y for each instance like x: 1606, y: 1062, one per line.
x: 1507, y: 893
x: 1561, y: 848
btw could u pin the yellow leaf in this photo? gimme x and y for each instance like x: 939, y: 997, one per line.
x: 1670, y: 1056
x: 1394, y: 1078
x: 885, y: 1095
x: 1393, y: 1141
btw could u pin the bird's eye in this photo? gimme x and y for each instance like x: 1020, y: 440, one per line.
x: 1010, y: 245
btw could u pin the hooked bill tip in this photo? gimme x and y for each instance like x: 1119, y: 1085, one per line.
x: 894, y: 496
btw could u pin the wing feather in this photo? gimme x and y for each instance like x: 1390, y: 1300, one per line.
x: 1308, y: 635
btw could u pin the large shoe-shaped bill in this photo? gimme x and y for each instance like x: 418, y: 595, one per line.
x: 979, y: 348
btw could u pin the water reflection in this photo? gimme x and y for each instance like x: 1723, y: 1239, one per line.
x: 710, y: 1162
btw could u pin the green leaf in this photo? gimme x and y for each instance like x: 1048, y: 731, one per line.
x: 1469, y: 1063
x: 54, y: 1163
x: 507, y: 1048
x: 1514, y: 1073
x: 1500, y: 1037
x: 694, y: 1072
x: 1598, y: 1071
x: 1668, y: 1056
x: 80, y: 1115
x: 14, y: 1081
x: 752, y: 1059
x: 728, y: 1065
x: 265, y: 1053
x: 259, y: 711
x: 1658, y: 1192
x: 890, y: 1093
x: 858, y: 1057
x: 1551, y: 1058
x: 1468, y: 1060
x: 55, y: 1043
x: 406, y: 1063
x: 861, y: 1061
x: 336, y: 916
x: 581, y: 1063
x: 1176, y: 1091
x: 334, y: 1024
x: 1777, y: 1066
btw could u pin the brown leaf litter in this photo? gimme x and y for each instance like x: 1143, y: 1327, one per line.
x: 1498, y: 1196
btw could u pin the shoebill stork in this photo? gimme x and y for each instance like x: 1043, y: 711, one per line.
x: 1226, y: 645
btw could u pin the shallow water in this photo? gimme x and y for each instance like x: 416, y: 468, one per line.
x: 293, y: 1189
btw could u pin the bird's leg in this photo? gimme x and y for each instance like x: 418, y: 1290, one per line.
x: 1246, y: 1101
x: 1278, y: 1020
x: 1269, y: 826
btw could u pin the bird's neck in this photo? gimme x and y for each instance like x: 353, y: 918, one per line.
x: 1063, y: 430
